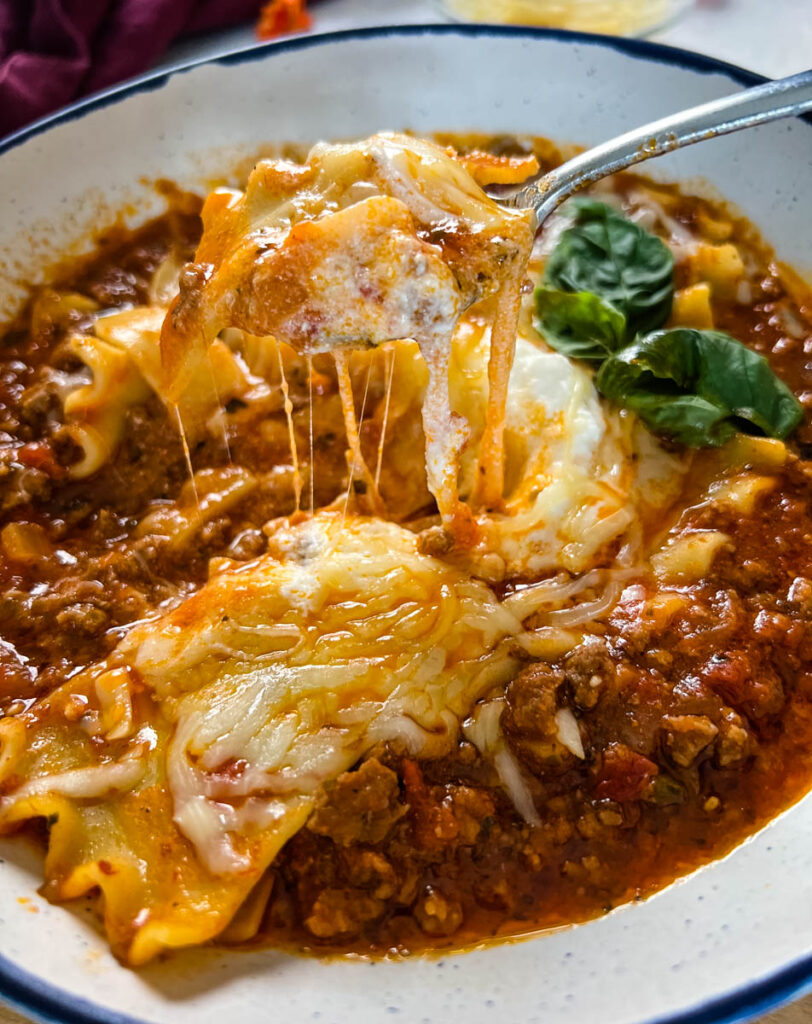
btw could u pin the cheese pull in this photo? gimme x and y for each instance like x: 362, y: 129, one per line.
x: 386, y: 239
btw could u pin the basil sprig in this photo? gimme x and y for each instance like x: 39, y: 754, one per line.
x: 608, y: 255
x: 699, y: 387
x: 608, y: 286
x: 579, y: 324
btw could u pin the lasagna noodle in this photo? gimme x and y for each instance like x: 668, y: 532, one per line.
x: 110, y: 823
x: 386, y: 239
x: 124, y: 358
x: 576, y: 473
x: 172, y: 774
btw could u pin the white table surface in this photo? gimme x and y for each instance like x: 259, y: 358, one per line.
x: 773, y: 37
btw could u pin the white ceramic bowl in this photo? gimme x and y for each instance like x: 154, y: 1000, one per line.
x: 728, y: 942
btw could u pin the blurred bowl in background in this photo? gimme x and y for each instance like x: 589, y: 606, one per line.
x: 610, y: 17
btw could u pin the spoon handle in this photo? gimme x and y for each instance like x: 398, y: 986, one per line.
x: 784, y: 97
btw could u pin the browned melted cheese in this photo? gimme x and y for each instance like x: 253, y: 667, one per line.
x: 386, y: 239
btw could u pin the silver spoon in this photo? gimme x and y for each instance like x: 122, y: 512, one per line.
x: 784, y: 97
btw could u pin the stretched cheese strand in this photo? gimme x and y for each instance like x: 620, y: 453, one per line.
x: 391, y: 354
x: 491, y: 469
x: 294, y: 453
x: 357, y: 462
x: 446, y: 435
x: 386, y: 239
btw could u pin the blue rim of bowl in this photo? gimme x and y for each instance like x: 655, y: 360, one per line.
x: 639, y: 48
x: 45, y: 1002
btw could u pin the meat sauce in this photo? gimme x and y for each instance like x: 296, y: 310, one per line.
x: 695, y: 711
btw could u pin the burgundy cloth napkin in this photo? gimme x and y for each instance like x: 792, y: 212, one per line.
x: 52, y: 51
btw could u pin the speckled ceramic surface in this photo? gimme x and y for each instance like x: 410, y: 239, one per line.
x: 723, y: 944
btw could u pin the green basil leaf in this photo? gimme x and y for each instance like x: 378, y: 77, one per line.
x: 689, y: 419
x: 736, y: 376
x: 579, y: 324
x: 605, y: 253
x: 699, y: 387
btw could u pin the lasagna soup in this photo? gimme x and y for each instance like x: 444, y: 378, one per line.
x: 379, y: 575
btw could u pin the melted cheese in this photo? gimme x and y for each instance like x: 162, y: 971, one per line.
x: 577, y: 474
x: 385, y: 239
x: 239, y: 704
x: 344, y: 635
